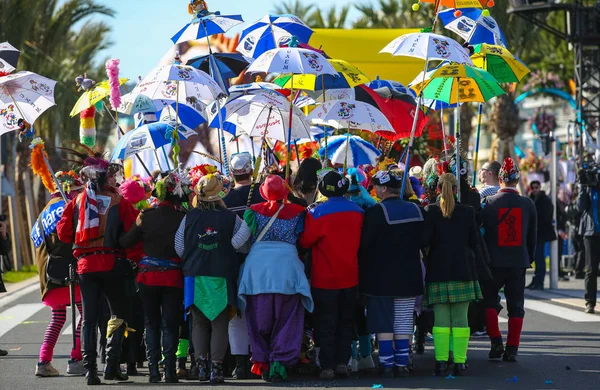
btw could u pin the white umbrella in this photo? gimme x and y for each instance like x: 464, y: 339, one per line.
x: 428, y: 46
x: 24, y: 95
x: 334, y: 94
x: 287, y: 60
x: 351, y: 114
x: 352, y: 151
x: 9, y: 56
x: 266, y: 116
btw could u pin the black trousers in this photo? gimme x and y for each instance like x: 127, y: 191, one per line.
x: 95, y: 286
x: 163, y: 310
x: 513, y: 281
x: 134, y: 349
x: 579, y: 248
x: 334, y: 324
x: 592, y: 259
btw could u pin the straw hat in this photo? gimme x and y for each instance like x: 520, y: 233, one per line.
x: 212, y: 187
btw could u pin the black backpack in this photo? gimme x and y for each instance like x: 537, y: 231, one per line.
x: 58, y: 265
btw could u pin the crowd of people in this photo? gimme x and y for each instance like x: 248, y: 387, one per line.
x: 320, y: 270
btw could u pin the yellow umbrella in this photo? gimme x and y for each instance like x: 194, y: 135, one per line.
x: 92, y: 96
x: 499, y: 62
x: 348, y: 76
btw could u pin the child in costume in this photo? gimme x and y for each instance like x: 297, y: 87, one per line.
x: 159, y: 279
x: 206, y: 241
x: 53, y: 259
x: 451, y: 235
x: 390, y: 270
x: 273, y: 288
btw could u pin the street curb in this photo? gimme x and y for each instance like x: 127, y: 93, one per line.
x: 24, y: 287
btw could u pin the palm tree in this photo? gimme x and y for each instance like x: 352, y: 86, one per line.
x: 393, y: 14
x: 295, y: 7
x: 330, y: 19
x: 43, y: 32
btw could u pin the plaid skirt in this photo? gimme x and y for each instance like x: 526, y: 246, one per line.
x: 451, y: 292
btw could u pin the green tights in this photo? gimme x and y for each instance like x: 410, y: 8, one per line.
x: 451, y: 324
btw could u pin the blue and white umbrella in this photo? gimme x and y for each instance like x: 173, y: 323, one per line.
x: 148, y: 137
x: 270, y: 32
x: 188, y: 116
x: 473, y: 27
x: 351, y: 150
x: 391, y: 84
x: 204, y: 26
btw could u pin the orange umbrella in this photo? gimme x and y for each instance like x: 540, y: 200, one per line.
x: 457, y: 4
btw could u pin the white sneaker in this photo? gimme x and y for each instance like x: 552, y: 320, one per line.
x: 354, y: 365
x: 46, y: 370
x: 75, y: 367
x: 366, y: 363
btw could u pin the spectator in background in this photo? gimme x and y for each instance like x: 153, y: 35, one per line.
x: 545, y: 232
x: 4, y: 249
x: 488, y: 176
x: 589, y: 228
x: 573, y: 216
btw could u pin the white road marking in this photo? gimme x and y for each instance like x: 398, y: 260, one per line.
x: 4, y: 301
x: 12, y: 317
x: 560, y: 312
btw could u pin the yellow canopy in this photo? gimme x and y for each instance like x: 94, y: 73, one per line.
x: 361, y: 47
x: 98, y: 92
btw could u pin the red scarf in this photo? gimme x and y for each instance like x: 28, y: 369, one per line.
x: 268, y: 209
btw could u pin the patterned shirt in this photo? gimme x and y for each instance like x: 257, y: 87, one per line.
x: 488, y: 191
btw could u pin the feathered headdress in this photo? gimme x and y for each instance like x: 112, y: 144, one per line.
x: 88, y: 161
x: 173, y: 184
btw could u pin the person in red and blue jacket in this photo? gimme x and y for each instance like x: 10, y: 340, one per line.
x: 333, y: 229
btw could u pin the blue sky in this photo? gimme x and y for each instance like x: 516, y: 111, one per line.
x: 142, y: 28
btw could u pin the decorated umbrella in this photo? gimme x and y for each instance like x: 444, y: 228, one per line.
x: 291, y: 60
x: 505, y: 67
x: 351, y: 114
x: 9, y: 56
x: 135, y: 102
x: 427, y: 46
x: 204, y: 24
x: 271, y: 32
x: 93, y: 95
x: 348, y: 76
x: 24, y: 95
x: 187, y: 116
x: 256, y: 86
x: 352, y: 151
x: 230, y: 64
x: 456, y: 84
x: 391, y: 84
x: 150, y: 137
x: 474, y: 26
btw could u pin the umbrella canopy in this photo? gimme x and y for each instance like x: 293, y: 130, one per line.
x: 257, y: 114
x: 391, y: 84
x: 9, y: 56
x: 334, y: 94
x: 24, y: 95
x: 187, y: 115
x: 271, y: 32
x: 428, y: 46
x: 92, y: 96
x: 148, y: 137
x: 459, y: 84
x: 253, y: 87
x: 473, y: 26
x: 348, y: 76
x: 230, y: 64
x: 204, y: 26
x: 194, y: 85
x: 500, y: 63
x: 435, y: 105
x: 350, y: 114
x: 457, y: 3
x: 286, y: 60
x: 352, y: 150
x: 399, y: 109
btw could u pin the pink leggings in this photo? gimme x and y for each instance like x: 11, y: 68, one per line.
x: 59, y: 316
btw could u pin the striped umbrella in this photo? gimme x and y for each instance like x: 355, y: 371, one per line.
x: 350, y: 150
x: 204, y: 26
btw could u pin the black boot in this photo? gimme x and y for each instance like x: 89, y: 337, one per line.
x: 203, y: 369
x: 420, y: 343
x: 497, y: 349
x: 170, y: 371
x: 441, y: 368
x: 216, y: 373
x: 182, y: 371
x: 459, y: 369
x: 510, y: 355
x: 91, y: 377
x: 132, y: 369
x: 193, y: 372
x: 112, y: 371
x: 154, y: 373
x: 241, y: 367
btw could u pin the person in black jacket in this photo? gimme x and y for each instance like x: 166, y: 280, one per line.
x: 545, y: 232
x: 4, y: 250
x: 510, y: 224
x: 451, y: 280
x: 391, y: 280
x: 588, y: 203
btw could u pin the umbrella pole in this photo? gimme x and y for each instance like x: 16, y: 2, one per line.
x: 479, y: 110
x: 414, y: 129
x: 457, y: 148
x: 157, y: 159
x: 62, y: 193
x: 222, y: 144
x: 347, y: 147
x: 297, y: 152
x: 324, y: 127
x: 379, y: 144
x: 176, y: 132
x: 289, y: 146
x: 258, y: 159
x: 444, y: 134
x: 237, y: 144
x: 123, y: 133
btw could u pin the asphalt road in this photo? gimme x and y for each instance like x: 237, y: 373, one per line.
x: 558, y: 351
